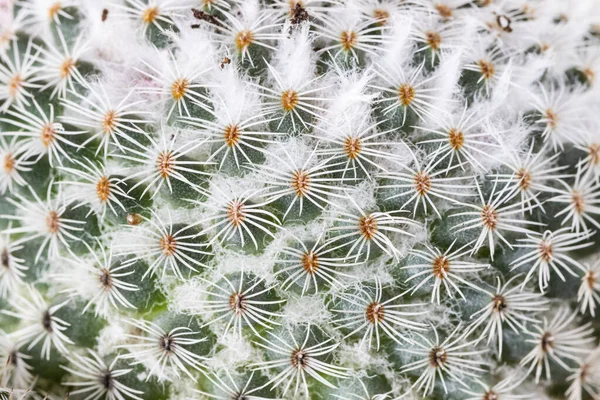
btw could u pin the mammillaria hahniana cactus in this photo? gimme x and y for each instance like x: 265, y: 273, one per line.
x: 303, y: 199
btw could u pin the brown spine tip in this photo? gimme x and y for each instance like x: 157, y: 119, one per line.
x: 441, y: 266
x: 179, y: 88
x: 9, y: 163
x: 348, y: 39
x: 310, y: 262
x: 106, y: 380
x: 53, y: 222
x: 166, y: 343
x: 5, y: 37
x: 15, y: 84
x: 5, y: 258
x: 299, y: 359
x: 590, y: 278
x: 109, y: 122
x: 13, y: 358
x: 165, y: 163
x: 103, y: 187
x: 168, y: 245
x: 551, y: 118
x: 232, y: 135
x: 422, y: 182
x: 444, y: 10
x: 244, y: 39
x: 578, y: 201
x: 352, y: 147
x: 437, y: 357
x: 434, y: 40
x: 490, y: 395
x: 237, y: 303
x: 524, y: 178
x: 368, y: 226
x: 547, y: 342
x: 375, y: 312
x: 487, y: 69
x: 106, y: 280
x: 594, y: 153
x: 499, y: 303
x: 67, y: 67
x: 300, y: 182
x: 289, y: 100
x: 589, y: 74
x: 381, y: 16
x: 235, y: 213
x: 150, y: 14
x: 48, y: 134
x: 47, y: 321
x: 456, y: 139
x: 489, y: 216
x: 546, y: 251
x: 406, y: 93
x: 54, y: 9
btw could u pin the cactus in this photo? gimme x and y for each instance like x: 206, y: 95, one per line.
x: 305, y: 199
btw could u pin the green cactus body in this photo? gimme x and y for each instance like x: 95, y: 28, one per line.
x: 316, y: 199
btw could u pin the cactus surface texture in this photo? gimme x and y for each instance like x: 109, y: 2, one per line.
x: 299, y: 199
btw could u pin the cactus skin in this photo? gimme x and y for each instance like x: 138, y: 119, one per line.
x: 335, y: 199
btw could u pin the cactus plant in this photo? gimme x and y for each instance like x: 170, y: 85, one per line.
x: 305, y: 199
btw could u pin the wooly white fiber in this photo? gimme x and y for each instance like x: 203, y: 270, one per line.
x: 299, y: 199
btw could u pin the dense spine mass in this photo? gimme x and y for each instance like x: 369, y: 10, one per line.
x: 304, y: 199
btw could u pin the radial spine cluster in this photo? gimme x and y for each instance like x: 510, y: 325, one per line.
x: 300, y: 199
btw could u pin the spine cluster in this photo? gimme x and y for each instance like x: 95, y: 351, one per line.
x: 304, y: 199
